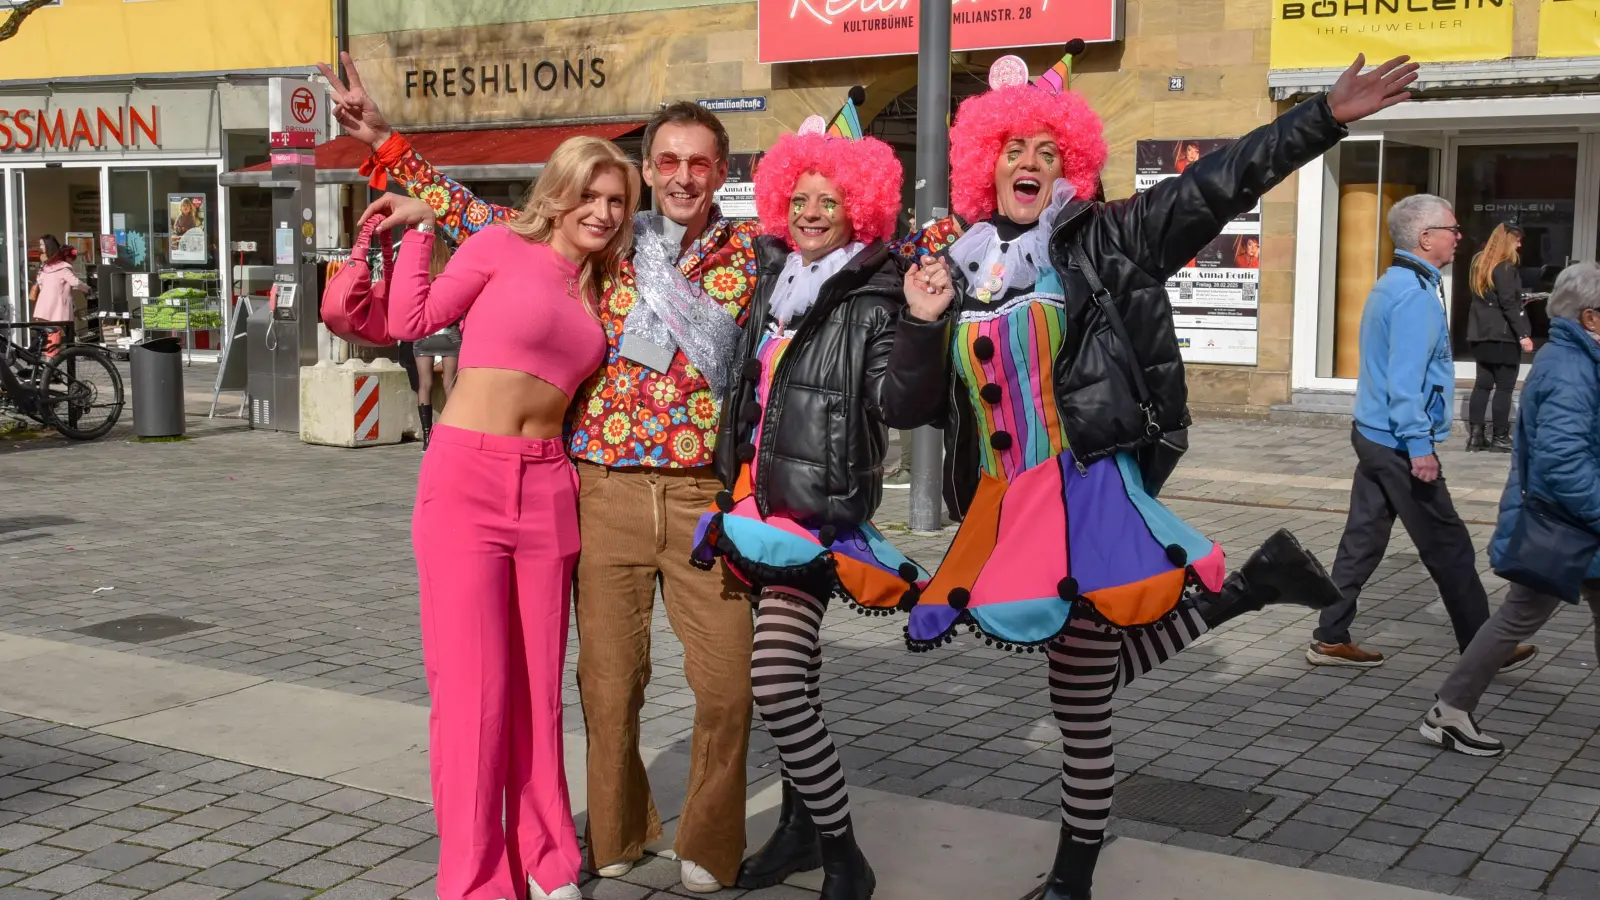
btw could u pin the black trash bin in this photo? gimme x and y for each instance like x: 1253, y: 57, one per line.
x: 156, y: 369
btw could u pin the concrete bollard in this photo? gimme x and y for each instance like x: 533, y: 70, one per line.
x: 355, y: 403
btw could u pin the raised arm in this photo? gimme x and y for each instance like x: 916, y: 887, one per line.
x: 1163, y: 228
x: 419, y: 307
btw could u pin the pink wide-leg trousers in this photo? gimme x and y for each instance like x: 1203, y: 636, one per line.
x: 496, y: 538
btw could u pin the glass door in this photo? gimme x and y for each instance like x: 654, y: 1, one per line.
x: 1532, y: 184
x: 19, y: 310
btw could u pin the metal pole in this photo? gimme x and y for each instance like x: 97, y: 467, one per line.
x: 933, y: 200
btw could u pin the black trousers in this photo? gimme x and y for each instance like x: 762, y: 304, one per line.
x: 1384, y: 489
x: 1500, y: 378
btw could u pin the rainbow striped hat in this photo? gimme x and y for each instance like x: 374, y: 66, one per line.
x: 1009, y: 71
x: 846, y: 123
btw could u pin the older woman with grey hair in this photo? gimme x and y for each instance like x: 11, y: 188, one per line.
x: 1558, y: 446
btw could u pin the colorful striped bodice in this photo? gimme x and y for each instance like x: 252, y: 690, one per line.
x: 1004, y: 355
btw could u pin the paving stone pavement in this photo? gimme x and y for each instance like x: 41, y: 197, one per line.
x: 85, y: 816
x: 299, y: 559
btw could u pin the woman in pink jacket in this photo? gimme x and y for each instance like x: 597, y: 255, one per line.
x: 54, y: 284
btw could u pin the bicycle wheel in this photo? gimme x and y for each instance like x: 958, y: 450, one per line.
x: 80, y: 391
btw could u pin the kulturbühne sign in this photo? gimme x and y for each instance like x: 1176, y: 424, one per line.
x: 1319, y: 34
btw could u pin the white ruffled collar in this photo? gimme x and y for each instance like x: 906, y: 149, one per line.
x: 799, y: 284
x: 992, y: 267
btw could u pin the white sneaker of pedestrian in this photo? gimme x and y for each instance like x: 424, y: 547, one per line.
x: 615, y: 870
x: 565, y: 892
x: 1453, y: 729
x: 697, y: 880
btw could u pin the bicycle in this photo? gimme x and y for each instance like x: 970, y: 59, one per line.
x: 78, y: 392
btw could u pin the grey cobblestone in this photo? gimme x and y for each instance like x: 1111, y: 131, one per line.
x: 968, y: 725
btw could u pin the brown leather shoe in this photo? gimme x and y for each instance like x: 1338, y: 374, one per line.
x: 1523, y: 655
x: 1320, y: 654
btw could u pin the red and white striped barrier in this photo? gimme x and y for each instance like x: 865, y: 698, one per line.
x: 367, y: 414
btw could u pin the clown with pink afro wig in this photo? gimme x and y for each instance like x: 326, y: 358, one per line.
x: 800, y: 451
x: 1065, y: 358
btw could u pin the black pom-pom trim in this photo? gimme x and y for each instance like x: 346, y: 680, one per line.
x: 1177, y: 556
x: 991, y: 393
x: 751, y: 414
x: 972, y: 267
x: 746, y: 452
x: 959, y: 598
x: 907, y: 572
x: 724, y: 501
x: 827, y: 534
x: 752, y: 370
x: 1000, y: 440
x: 1067, y: 588
x: 908, y: 602
x: 858, y: 95
x: 1075, y: 46
x: 983, y: 347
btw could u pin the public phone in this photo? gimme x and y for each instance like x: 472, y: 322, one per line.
x: 282, y: 300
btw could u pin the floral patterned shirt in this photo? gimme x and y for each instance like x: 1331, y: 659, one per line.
x: 628, y: 414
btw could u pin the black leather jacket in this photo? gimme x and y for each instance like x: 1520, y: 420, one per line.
x: 1135, y: 245
x: 835, y: 392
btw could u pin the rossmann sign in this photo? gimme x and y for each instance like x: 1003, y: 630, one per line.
x: 79, y: 130
x: 803, y: 30
x: 1317, y: 34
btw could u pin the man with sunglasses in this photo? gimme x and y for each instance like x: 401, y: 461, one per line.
x: 1405, y: 403
x: 643, y: 430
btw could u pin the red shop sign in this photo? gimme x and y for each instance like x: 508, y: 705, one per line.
x: 803, y: 30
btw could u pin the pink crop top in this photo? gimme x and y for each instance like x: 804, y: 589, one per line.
x: 518, y: 300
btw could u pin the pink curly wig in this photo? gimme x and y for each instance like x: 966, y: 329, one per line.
x: 984, y: 124
x: 866, y: 171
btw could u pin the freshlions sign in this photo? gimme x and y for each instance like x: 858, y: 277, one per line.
x: 1322, y: 34
x: 804, y: 30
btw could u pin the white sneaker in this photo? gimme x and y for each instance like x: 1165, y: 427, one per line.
x: 615, y: 870
x: 697, y: 880
x: 1453, y: 729
x: 565, y: 892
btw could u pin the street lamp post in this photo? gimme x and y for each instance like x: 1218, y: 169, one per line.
x: 933, y: 200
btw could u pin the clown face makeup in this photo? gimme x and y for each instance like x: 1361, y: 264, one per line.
x: 818, y: 223
x: 1024, y: 174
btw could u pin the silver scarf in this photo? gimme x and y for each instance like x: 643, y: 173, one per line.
x: 673, y: 314
x: 800, y: 284
x: 979, y: 251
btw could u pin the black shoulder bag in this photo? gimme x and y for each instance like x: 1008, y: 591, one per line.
x: 1160, y: 452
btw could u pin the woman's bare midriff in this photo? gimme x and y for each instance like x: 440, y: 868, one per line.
x: 506, y: 402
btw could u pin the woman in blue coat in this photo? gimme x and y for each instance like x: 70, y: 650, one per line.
x: 1559, y: 431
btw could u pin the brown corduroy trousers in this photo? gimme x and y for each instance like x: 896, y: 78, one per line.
x: 637, y: 526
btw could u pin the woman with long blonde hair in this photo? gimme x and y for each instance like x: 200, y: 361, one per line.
x: 495, y: 529
x: 1498, y: 333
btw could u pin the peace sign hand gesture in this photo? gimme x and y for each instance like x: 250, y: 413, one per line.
x: 1356, y: 95
x: 353, y: 107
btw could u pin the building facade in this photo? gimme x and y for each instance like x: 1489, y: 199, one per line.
x: 116, y: 120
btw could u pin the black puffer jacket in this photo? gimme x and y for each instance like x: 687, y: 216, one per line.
x: 834, y: 394
x: 1135, y: 245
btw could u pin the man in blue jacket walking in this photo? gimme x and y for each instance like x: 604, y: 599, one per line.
x: 1404, y: 406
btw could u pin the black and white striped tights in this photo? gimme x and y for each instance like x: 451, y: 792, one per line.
x: 784, y: 671
x: 1088, y: 663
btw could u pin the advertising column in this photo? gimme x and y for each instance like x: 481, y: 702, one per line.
x: 1216, y: 298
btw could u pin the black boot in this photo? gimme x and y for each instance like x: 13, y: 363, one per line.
x: 425, y: 416
x: 1281, y: 571
x: 1502, y: 441
x: 845, y: 873
x: 793, y: 847
x: 1477, y: 439
x: 1072, y: 875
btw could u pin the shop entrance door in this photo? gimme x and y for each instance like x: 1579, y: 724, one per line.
x: 17, y: 309
x: 1531, y: 182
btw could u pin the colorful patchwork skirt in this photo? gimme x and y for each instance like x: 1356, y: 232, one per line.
x: 856, y: 564
x: 1030, y: 553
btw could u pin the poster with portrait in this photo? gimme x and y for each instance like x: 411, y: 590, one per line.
x: 1216, y: 297
x: 188, y: 218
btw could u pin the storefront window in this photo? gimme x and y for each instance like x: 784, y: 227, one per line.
x: 1534, y: 186
x: 1371, y: 177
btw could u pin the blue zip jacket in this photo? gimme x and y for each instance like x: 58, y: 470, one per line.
x: 1558, y: 428
x: 1408, y: 376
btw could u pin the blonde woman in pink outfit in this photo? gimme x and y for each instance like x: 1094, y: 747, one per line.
x: 54, y: 285
x: 496, y: 525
